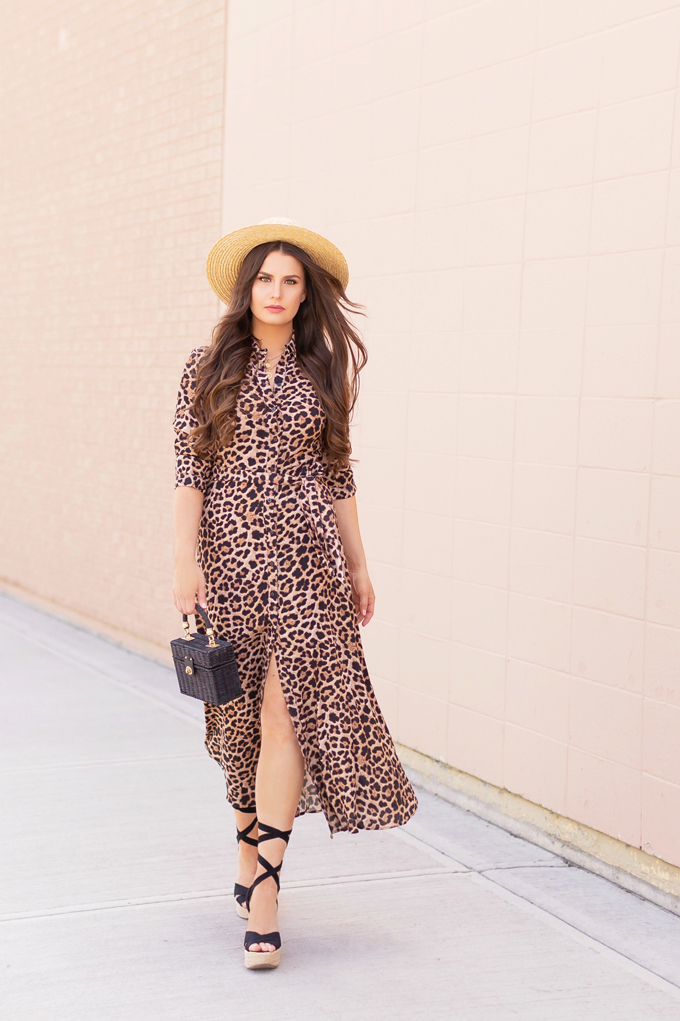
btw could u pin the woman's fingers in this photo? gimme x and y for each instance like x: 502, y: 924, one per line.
x: 183, y: 603
x: 364, y: 602
x: 189, y: 587
x: 356, y: 599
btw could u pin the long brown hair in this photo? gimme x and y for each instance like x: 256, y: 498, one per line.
x: 329, y: 351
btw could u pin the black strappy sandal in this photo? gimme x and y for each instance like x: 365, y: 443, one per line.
x: 241, y: 892
x: 265, y: 958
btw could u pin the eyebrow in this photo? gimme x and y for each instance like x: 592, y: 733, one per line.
x: 264, y: 273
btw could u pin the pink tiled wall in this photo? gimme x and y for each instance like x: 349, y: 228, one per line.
x: 111, y: 170
x: 504, y: 177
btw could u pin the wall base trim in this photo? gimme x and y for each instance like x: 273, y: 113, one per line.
x: 630, y: 867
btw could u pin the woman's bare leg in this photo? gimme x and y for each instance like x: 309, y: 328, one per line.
x: 278, y: 784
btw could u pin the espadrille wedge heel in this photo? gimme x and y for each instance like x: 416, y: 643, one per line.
x: 265, y: 958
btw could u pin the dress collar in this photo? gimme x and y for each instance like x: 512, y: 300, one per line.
x: 288, y: 351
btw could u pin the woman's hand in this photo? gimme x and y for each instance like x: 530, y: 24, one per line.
x: 362, y: 594
x: 348, y: 526
x: 188, y: 586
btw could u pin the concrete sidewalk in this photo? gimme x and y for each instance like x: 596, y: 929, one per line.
x: 117, y: 865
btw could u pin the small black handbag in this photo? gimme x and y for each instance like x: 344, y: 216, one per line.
x: 206, y: 665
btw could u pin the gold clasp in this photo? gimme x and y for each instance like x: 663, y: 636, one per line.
x: 211, y: 637
x: 187, y: 632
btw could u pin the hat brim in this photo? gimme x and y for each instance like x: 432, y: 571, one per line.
x: 227, y: 255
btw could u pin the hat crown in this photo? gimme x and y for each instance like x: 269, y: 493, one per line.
x: 226, y: 256
x: 280, y: 220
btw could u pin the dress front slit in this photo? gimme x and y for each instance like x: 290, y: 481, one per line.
x: 277, y: 583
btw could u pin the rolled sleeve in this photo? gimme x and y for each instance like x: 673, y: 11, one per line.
x: 340, y: 481
x: 190, y: 469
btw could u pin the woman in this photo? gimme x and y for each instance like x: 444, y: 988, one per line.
x: 267, y: 538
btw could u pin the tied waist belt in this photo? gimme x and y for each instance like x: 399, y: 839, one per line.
x: 271, y: 477
x: 316, y: 504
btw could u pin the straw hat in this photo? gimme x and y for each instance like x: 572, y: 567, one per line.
x: 226, y: 257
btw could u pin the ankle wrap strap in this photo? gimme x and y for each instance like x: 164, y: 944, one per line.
x: 270, y: 871
x: 268, y: 832
x: 243, y: 834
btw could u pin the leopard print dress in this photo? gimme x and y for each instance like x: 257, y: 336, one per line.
x: 277, y: 582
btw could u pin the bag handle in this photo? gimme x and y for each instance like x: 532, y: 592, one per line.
x: 206, y: 620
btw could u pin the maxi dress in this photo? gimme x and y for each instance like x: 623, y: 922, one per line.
x: 277, y: 582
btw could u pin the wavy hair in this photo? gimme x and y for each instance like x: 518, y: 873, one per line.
x: 329, y: 351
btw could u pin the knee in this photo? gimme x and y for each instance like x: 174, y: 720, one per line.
x: 276, y: 722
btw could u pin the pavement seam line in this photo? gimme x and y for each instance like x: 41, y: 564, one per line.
x: 523, y: 865
x: 56, y: 648
x: 296, y: 884
x: 653, y: 977
x: 642, y: 972
x: 21, y: 770
x: 619, y: 875
x: 548, y: 915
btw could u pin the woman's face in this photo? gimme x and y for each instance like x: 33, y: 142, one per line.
x: 278, y: 290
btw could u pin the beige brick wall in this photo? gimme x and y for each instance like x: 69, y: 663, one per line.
x: 504, y: 177
x: 112, y: 162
